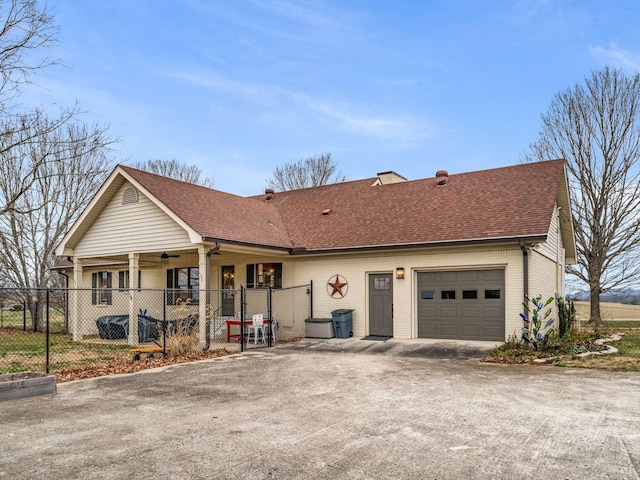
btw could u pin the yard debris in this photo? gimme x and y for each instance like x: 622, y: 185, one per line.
x: 112, y: 367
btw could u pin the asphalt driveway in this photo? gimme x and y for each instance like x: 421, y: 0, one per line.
x: 325, y: 411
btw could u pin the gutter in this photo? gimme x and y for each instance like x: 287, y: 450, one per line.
x: 450, y: 243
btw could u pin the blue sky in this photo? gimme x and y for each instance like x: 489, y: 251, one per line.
x: 240, y: 87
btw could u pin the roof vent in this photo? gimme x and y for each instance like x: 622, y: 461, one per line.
x: 269, y: 192
x: 130, y: 195
x: 326, y: 212
x: 442, y: 176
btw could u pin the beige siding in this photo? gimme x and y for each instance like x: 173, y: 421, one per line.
x: 543, y: 278
x: 553, y: 247
x: 136, y: 227
x: 357, y: 268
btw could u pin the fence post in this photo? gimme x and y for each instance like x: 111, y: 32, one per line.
x: 164, y: 323
x: 311, y: 298
x: 242, y: 308
x: 34, y: 314
x: 269, y: 316
x: 47, y: 334
x: 24, y: 315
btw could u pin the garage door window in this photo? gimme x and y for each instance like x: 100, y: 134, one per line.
x: 470, y: 294
x: 448, y: 294
x: 427, y: 294
x: 492, y: 294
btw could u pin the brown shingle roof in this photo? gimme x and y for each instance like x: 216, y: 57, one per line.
x: 215, y: 214
x: 510, y: 202
x: 506, y: 202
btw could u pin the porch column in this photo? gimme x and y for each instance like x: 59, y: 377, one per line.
x: 203, y: 268
x: 133, y: 298
x: 74, y: 301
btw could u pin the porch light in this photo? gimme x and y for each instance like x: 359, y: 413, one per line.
x: 400, y: 273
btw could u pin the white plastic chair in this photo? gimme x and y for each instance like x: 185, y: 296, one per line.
x: 257, y: 324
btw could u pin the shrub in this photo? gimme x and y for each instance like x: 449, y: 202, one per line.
x: 566, y: 314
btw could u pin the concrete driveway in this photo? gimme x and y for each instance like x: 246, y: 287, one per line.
x: 322, y: 411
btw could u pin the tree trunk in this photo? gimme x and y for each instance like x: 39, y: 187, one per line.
x: 595, y: 316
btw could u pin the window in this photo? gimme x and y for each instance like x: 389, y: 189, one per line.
x: 183, y: 284
x: 381, y: 283
x: 123, y: 279
x: 263, y: 275
x: 448, y: 295
x: 427, y: 295
x: 101, y: 288
x: 492, y: 294
x: 470, y: 294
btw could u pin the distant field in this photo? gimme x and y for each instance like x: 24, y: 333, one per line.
x: 609, y: 310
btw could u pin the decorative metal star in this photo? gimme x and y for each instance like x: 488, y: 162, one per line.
x: 337, y: 286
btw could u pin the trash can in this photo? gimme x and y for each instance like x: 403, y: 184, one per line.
x: 342, y: 323
x: 318, y: 327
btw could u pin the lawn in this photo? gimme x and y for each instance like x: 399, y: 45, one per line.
x: 20, y: 319
x: 609, y: 310
x: 565, y: 350
x: 22, y: 351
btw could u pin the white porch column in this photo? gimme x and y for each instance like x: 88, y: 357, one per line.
x: 203, y: 266
x: 74, y: 301
x: 133, y: 298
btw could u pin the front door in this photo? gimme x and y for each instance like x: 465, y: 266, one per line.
x: 228, y: 293
x: 381, y: 304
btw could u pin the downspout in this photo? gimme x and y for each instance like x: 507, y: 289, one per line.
x: 525, y: 269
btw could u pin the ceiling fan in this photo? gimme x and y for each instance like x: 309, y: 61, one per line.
x: 164, y: 257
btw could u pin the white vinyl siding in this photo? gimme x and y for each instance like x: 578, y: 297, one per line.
x: 134, y: 227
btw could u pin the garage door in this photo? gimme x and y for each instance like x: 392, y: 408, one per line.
x: 467, y: 305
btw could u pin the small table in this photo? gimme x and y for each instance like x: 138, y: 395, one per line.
x: 246, y: 323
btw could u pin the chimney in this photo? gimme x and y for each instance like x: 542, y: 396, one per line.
x: 385, y: 178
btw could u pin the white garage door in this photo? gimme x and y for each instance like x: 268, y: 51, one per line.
x: 466, y: 305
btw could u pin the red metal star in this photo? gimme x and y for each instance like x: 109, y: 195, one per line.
x: 337, y: 286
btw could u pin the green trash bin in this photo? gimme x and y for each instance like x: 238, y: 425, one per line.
x: 342, y: 322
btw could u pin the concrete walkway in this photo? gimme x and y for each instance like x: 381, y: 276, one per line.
x: 331, y: 410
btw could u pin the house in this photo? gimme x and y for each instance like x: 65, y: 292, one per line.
x: 447, y: 257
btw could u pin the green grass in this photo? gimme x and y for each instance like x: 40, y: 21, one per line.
x: 622, y: 324
x: 627, y: 358
x: 15, y: 319
x: 26, y: 351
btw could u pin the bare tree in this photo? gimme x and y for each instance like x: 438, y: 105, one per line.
x: 66, y: 163
x: 596, y: 128
x: 176, y: 170
x: 26, y: 29
x: 310, y: 172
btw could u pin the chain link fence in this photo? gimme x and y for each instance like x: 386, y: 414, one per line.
x: 50, y: 330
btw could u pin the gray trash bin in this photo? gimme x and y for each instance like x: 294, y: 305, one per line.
x: 342, y: 323
x: 318, y: 328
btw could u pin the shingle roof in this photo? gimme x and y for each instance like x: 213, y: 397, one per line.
x: 502, y: 203
x: 215, y: 214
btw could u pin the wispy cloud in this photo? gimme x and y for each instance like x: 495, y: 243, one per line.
x: 404, y: 130
x: 617, y: 56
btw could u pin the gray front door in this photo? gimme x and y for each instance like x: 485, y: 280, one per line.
x: 381, y: 304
